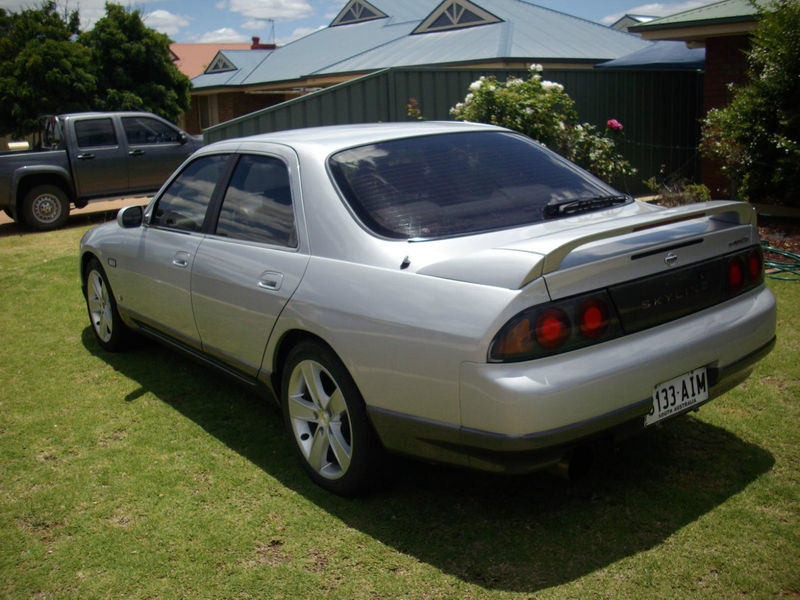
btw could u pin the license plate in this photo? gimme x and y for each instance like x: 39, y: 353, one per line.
x: 676, y: 395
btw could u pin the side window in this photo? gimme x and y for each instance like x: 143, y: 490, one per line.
x: 94, y: 133
x: 146, y: 130
x: 258, y: 203
x: 183, y: 204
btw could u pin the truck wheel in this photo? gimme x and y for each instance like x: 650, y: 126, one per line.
x: 45, y: 207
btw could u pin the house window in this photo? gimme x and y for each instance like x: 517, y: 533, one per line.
x: 455, y: 14
x: 220, y: 64
x: 207, y: 110
x: 357, y: 11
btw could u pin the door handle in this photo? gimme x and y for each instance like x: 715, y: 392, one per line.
x: 85, y: 156
x: 181, y: 259
x: 137, y: 152
x: 270, y: 280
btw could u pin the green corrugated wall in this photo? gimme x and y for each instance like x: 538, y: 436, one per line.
x: 660, y: 111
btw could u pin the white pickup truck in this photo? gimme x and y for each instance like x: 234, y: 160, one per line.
x: 88, y: 156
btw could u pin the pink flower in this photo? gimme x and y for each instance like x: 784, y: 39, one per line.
x: 614, y: 125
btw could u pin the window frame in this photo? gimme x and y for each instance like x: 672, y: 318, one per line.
x: 217, y: 209
x: 79, y: 122
x: 164, y: 124
x: 382, y: 233
x: 214, y: 199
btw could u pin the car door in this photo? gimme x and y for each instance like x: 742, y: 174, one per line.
x: 157, y: 281
x: 98, y: 158
x: 155, y: 149
x: 252, y: 260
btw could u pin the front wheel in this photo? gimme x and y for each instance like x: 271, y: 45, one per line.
x: 327, y: 420
x: 45, y: 207
x: 110, y: 331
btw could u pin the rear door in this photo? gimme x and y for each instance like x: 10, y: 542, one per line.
x: 99, y: 160
x: 252, y: 260
x: 155, y: 150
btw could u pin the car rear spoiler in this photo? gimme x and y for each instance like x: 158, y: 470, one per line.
x: 557, y: 246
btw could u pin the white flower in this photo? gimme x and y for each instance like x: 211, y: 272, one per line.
x: 492, y: 88
x: 513, y: 82
x: 476, y: 85
x: 459, y: 106
x: 552, y: 85
x: 536, y: 68
x: 528, y: 110
x: 469, y: 98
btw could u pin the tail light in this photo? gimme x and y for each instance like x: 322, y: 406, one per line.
x: 594, y: 315
x: 736, y: 274
x: 556, y: 327
x: 745, y: 270
x: 552, y: 328
x: 592, y: 318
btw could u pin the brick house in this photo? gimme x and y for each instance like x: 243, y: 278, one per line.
x: 723, y: 29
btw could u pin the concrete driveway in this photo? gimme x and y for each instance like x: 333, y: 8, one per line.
x: 109, y: 207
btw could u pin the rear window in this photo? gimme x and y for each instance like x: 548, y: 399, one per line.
x: 456, y: 184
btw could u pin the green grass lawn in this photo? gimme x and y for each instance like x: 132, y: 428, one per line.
x: 144, y: 475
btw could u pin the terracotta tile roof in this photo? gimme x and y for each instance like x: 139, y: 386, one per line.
x: 192, y: 59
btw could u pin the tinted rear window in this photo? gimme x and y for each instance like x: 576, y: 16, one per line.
x: 456, y: 184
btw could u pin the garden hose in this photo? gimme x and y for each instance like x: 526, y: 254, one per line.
x: 786, y: 270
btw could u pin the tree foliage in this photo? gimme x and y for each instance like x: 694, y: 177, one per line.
x: 49, y: 67
x: 43, y: 70
x: 756, y: 138
x: 542, y: 110
x: 134, y: 67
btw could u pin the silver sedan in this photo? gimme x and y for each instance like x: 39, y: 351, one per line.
x: 450, y: 291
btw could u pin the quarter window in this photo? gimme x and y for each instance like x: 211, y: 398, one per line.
x: 258, y: 203
x: 183, y: 204
x: 95, y: 133
x: 146, y: 130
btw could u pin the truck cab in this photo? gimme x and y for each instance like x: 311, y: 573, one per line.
x: 87, y: 156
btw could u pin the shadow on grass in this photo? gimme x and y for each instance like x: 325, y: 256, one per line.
x: 522, y: 533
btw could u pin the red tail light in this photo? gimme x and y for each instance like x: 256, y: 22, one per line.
x: 552, y: 328
x: 593, y: 318
x: 735, y: 274
x: 755, y: 265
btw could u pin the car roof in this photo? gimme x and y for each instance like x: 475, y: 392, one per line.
x: 336, y: 137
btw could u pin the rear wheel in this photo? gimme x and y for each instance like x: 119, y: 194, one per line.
x: 327, y: 420
x: 110, y: 331
x: 45, y: 207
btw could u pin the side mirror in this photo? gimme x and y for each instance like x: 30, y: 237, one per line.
x: 182, y: 138
x: 130, y: 217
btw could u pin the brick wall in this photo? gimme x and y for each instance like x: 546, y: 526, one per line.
x: 228, y: 106
x: 725, y: 63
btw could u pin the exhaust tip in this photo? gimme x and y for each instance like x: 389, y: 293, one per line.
x: 576, y: 465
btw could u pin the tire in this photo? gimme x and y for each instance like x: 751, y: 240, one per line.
x: 109, y: 330
x: 45, y: 207
x: 326, y: 418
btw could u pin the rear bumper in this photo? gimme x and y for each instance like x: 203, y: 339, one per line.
x: 524, y: 416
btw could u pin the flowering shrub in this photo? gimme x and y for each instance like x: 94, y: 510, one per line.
x: 542, y: 110
x: 414, y: 111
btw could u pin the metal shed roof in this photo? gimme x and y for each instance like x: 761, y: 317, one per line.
x: 526, y: 32
x: 716, y: 12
